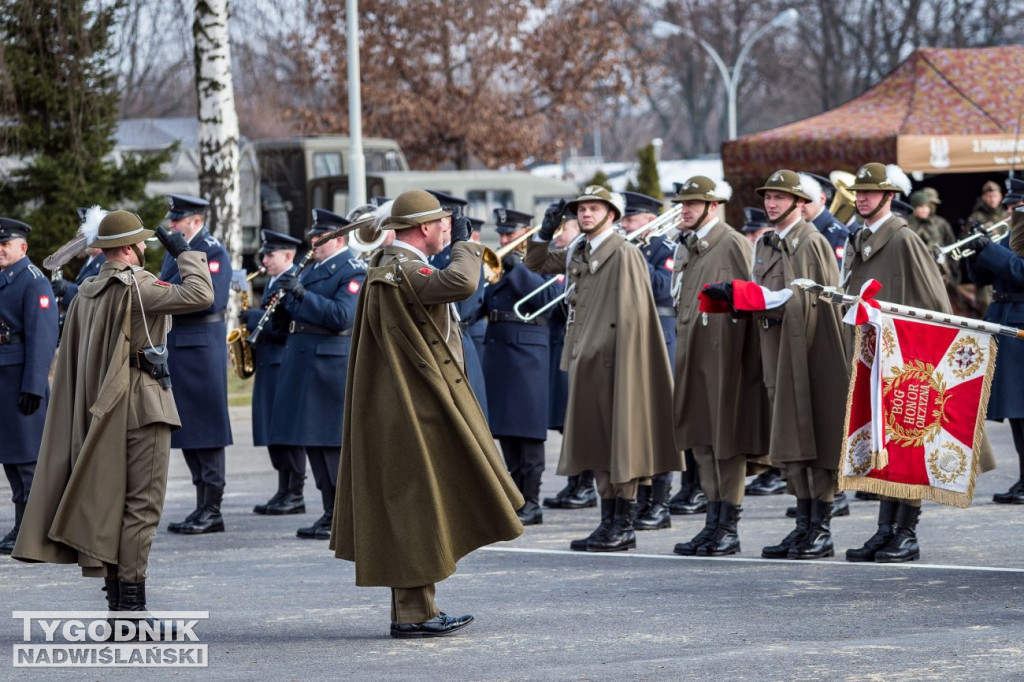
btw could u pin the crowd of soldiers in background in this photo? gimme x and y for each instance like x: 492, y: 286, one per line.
x: 301, y: 356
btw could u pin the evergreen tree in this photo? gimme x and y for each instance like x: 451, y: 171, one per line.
x: 647, y: 181
x: 59, y: 100
x: 599, y: 178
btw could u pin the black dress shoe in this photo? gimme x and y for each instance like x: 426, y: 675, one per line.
x: 1015, y: 495
x: 530, y: 514
x: 320, y: 530
x: 767, y: 483
x: 861, y: 495
x: 440, y: 626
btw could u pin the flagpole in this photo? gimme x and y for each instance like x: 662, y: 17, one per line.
x: 836, y: 297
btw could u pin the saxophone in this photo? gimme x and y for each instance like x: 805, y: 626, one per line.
x: 239, y: 351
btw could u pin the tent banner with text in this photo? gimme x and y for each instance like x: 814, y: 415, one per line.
x: 915, y: 415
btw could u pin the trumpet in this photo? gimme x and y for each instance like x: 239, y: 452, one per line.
x: 492, y: 259
x: 526, y: 317
x: 961, y: 249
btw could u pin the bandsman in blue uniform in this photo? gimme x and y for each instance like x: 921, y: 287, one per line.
x: 470, y: 319
x: 653, y: 499
x: 28, y: 339
x: 199, y: 369
x: 516, y: 362
x: 816, y: 212
x: 310, y: 397
x: 277, y: 255
x: 755, y: 223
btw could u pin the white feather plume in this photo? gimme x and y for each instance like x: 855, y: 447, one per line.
x: 91, y: 225
x: 724, y: 190
x: 810, y: 186
x: 895, y: 176
x: 383, y: 212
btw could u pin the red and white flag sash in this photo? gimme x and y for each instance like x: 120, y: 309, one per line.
x: 916, y: 408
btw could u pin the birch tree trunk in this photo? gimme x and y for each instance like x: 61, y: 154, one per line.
x: 218, y: 131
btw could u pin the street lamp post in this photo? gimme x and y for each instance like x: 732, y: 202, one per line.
x: 731, y: 76
x: 356, y: 159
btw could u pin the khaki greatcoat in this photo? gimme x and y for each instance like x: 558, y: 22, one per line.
x: 75, y: 509
x: 619, y: 413
x: 420, y: 482
x: 720, y: 399
x: 804, y: 359
x: 901, y: 263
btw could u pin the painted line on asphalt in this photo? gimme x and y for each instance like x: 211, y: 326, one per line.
x: 748, y: 560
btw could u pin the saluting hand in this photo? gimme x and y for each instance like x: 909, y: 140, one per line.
x: 174, y: 242
x: 28, y: 403
x: 552, y: 219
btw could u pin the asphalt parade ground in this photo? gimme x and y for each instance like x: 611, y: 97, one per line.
x: 281, y: 608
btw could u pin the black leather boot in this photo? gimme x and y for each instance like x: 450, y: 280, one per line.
x: 726, y: 539
x: 132, y: 598
x: 657, y: 515
x: 817, y: 544
x: 176, y: 526
x: 886, y: 529
x: 767, y: 483
x: 556, y: 501
x: 840, y: 505
x: 282, y: 488
x: 902, y: 547
x: 866, y: 496
x: 584, y: 495
x: 530, y: 514
x: 802, y: 512
x: 607, y: 514
x: 7, y: 544
x: 643, y: 499
x: 209, y: 519
x: 620, y: 535
x: 1015, y: 495
x: 292, y: 501
x: 689, y: 501
x: 707, y: 532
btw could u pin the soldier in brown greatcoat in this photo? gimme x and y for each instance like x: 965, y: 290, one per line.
x: 720, y: 404
x: 420, y: 483
x: 618, y: 422
x: 102, y: 474
x: 803, y: 356
x: 887, y: 250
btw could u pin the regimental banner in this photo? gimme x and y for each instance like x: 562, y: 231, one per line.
x: 916, y: 408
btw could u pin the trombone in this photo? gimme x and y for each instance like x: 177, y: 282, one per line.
x: 961, y: 249
x: 659, y: 227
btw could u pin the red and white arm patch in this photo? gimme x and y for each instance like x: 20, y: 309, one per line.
x: 215, y: 266
x: 44, y: 302
x: 353, y: 287
x: 840, y: 250
x: 670, y: 263
x: 425, y: 271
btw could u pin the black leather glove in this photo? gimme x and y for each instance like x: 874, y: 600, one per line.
x: 174, y: 242
x: 719, y: 291
x: 293, y: 286
x: 28, y: 403
x: 461, y: 228
x: 980, y: 242
x: 511, y: 260
x: 552, y: 219
x: 60, y: 287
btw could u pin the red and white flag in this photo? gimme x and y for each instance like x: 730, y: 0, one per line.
x: 916, y: 410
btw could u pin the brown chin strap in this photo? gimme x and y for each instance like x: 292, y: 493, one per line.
x: 785, y: 214
x: 876, y: 209
x: 139, y: 254
x: 597, y: 227
x: 703, y: 215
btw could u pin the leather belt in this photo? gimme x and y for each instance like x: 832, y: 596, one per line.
x: 202, y: 319
x: 133, y: 361
x: 769, y: 322
x: 304, y: 328
x: 665, y: 311
x: 508, y: 316
x: 1002, y: 297
x: 8, y: 339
